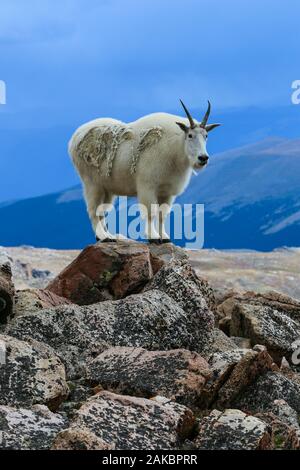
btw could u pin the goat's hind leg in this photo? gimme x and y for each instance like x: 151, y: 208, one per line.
x: 95, y: 197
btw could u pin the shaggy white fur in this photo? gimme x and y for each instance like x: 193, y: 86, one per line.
x: 151, y: 158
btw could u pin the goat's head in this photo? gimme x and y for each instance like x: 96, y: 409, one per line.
x: 196, y: 137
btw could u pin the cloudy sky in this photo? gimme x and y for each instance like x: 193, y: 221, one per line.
x: 68, y: 61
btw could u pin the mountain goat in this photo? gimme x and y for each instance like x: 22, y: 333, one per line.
x: 152, y: 158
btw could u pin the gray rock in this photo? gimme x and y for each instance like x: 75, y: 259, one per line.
x: 233, y: 430
x: 30, y: 373
x: 130, y: 423
x: 193, y: 295
x: 29, y: 429
x: 264, y: 325
x: 151, y: 320
x: 178, y: 374
x: 267, y: 388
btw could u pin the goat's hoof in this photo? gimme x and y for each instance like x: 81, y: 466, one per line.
x: 156, y: 241
x: 107, y: 240
x: 166, y: 240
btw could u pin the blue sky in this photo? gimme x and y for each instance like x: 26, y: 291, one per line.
x: 68, y: 61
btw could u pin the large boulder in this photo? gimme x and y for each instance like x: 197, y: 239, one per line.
x: 233, y: 430
x: 30, y: 373
x: 178, y: 374
x: 7, y: 290
x: 130, y: 423
x: 104, y: 271
x: 151, y: 320
x: 29, y: 429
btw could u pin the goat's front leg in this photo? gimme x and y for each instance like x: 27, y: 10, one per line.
x: 149, y: 211
x: 165, y: 205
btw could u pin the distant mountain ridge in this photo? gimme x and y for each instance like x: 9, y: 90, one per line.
x: 251, y: 196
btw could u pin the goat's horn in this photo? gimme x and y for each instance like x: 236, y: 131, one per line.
x: 205, y: 119
x: 192, y: 124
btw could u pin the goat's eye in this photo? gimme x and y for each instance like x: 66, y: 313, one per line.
x: 190, y: 136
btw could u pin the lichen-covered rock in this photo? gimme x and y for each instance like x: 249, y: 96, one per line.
x: 29, y: 429
x: 130, y: 423
x: 193, y: 295
x: 285, y: 413
x: 79, y: 439
x: 151, y: 320
x: 233, y: 430
x: 104, y: 271
x: 33, y: 300
x: 178, y: 374
x: 267, y: 388
x: 252, y: 365
x: 7, y: 290
x: 267, y: 326
x: 30, y: 373
x: 232, y: 373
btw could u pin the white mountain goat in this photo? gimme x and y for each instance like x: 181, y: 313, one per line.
x: 152, y: 158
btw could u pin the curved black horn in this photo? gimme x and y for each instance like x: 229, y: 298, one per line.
x: 192, y: 124
x: 205, y: 119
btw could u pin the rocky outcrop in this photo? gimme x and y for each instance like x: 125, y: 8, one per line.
x: 31, y: 373
x: 29, y: 429
x: 139, y: 353
x: 7, y: 290
x: 233, y: 430
x: 134, y: 423
x: 104, y: 271
x: 178, y: 374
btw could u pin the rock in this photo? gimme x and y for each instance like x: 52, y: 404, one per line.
x: 178, y: 374
x: 282, y: 435
x: 285, y: 413
x: 130, y: 423
x: 31, y: 373
x: 33, y: 300
x: 220, y: 342
x: 150, y: 320
x: 233, y: 430
x: 233, y: 372
x: 29, y: 429
x: 264, y: 325
x: 164, y: 254
x: 104, y: 271
x: 243, y: 343
x: 79, y: 439
x: 277, y: 301
x: 181, y: 283
x: 267, y: 388
x: 252, y: 365
x: 7, y: 290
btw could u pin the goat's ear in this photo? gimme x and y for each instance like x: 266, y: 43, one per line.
x: 210, y: 127
x: 182, y: 126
